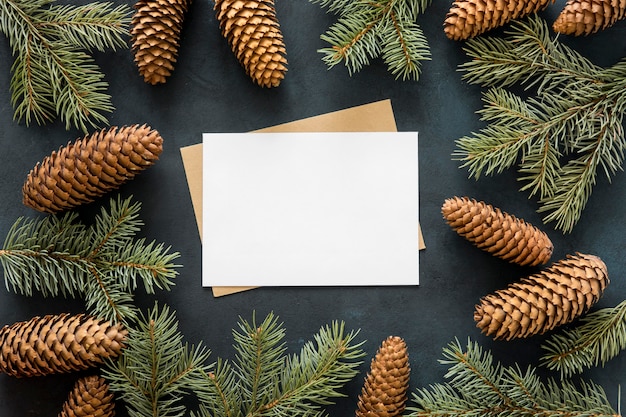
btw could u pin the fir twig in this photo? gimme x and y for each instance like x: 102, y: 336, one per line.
x: 599, y: 337
x: 53, y: 73
x: 560, y: 138
x: 264, y: 381
x: 367, y: 30
x: 102, y: 263
x: 479, y: 387
x: 156, y: 369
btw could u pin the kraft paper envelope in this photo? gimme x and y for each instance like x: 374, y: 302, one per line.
x: 373, y: 117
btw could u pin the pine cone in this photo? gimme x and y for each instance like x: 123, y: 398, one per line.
x: 155, y: 35
x: 469, y: 18
x: 90, y: 397
x: 584, y: 17
x: 497, y: 232
x: 254, y: 35
x: 58, y: 344
x: 89, y: 168
x: 545, y: 300
x: 384, y: 393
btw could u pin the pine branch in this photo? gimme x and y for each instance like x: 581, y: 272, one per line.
x: 52, y: 73
x: 103, y: 263
x: 266, y: 382
x: 156, y: 369
x: 478, y: 386
x: 368, y: 30
x: 560, y: 137
x: 599, y: 337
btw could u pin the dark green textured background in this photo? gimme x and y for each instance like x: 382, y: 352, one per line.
x: 209, y: 92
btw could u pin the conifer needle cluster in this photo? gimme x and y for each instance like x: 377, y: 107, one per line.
x: 103, y: 263
x: 53, y: 73
x: 561, y: 137
x: 367, y: 30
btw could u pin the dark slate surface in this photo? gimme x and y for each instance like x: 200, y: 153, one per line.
x: 209, y: 92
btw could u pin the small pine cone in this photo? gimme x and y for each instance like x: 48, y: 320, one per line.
x: 90, y: 167
x: 254, y: 35
x: 58, y: 344
x: 584, y: 17
x: 155, y: 35
x: 545, y: 300
x: 384, y: 392
x: 469, y: 18
x: 90, y: 397
x: 497, y: 232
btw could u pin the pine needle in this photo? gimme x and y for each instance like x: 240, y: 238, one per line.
x: 560, y: 137
x: 53, y: 72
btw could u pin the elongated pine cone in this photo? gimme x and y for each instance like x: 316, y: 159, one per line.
x: 90, y: 397
x: 87, y: 169
x: 469, y: 18
x: 499, y: 233
x: 254, y: 35
x: 584, y: 17
x: 155, y: 36
x: 384, y: 392
x: 58, y: 344
x: 544, y: 300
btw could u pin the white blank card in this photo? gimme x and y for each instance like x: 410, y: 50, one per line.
x: 310, y: 209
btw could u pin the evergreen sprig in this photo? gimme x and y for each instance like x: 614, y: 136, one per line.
x: 103, y: 263
x: 600, y: 336
x: 367, y: 30
x: 265, y: 381
x: 156, y: 369
x: 560, y: 137
x: 478, y: 386
x: 53, y: 72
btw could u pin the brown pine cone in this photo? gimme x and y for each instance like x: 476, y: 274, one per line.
x: 155, y: 35
x: 584, y: 17
x: 545, y: 300
x: 90, y: 397
x: 384, y: 392
x: 254, y: 35
x: 497, y: 232
x: 469, y: 18
x: 58, y: 344
x: 91, y: 167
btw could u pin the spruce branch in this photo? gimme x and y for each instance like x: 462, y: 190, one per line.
x: 478, y: 386
x: 600, y: 336
x: 103, y: 263
x: 53, y: 72
x: 156, y: 369
x: 367, y: 30
x: 264, y: 381
x: 560, y: 137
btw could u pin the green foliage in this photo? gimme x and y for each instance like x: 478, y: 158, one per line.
x: 479, y: 387
x: 367, y: 30
x: 599, y: 337
x: 103, y: 263
x: 53, y: 72
x: 560, y: 137
x: 156, y: 369
x: 265, y: 381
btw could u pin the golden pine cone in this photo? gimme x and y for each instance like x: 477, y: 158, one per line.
x: 384, y: 392
x: 544, y: 300
x: 469, y: 18
x: 254, y: 35
x: 155, y: 35
x: 497, y: 232
x: 90, y: 167
x: 58, y: 344
x: 584, y: 17
x: 90, y: 397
